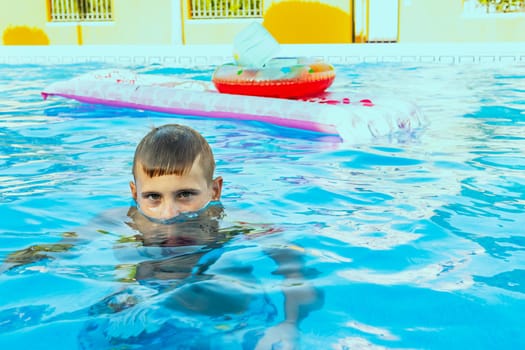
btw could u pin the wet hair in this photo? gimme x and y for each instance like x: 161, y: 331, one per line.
x: 172, y: 149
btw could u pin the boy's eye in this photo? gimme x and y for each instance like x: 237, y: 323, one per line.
x: 185, y: 194
x: 152, y: 196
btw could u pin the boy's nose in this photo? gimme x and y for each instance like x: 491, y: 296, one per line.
x: 169, y: 211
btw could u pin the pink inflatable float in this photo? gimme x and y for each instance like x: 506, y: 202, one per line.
x: 334, y: 113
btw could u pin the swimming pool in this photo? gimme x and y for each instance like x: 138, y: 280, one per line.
x: 411, y: 241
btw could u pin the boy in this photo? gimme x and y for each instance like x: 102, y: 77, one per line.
x: 177, y: 204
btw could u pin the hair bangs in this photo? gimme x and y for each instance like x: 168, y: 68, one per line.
x: 160, y: 165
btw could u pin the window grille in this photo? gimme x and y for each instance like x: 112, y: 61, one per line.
x: 226, y: 9
x: 80, y: 10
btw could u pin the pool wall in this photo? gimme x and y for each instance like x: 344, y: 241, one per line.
x: 205, y: 55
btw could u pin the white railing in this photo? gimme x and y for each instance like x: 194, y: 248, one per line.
x: 81, y: 10
x: 226, y: 9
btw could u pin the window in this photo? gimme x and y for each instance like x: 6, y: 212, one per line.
x: 226, y: 8
x: 493, y: 6
x: 80, y: 10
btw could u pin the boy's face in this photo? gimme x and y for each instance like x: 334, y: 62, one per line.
x: 165, y: 197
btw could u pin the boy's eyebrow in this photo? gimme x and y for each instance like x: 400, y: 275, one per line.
x: 187, y: 190
x: 147, y: 193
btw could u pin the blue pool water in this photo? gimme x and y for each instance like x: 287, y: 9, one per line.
x: 404, y: 242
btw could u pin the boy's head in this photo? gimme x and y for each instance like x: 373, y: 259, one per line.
x: 173, y: 171
x: 171, y: 150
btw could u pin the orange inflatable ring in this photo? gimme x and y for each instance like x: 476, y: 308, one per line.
x: 281, y: 77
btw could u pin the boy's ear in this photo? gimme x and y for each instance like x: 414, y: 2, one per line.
x: 217, y: 188
x: 133, y: 189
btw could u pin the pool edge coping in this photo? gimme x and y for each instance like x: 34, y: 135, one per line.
x: 202, y: 55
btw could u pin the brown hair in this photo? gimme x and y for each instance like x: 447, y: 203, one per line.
x: 171, y: 150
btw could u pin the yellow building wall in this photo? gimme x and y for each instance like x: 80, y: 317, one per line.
x: 289, y: 21
x: 310, y: 22
x: 155, y: 22
x: 445, y: 21
x: 208, y: 31
x: 212, y: 31
x: 135, y: 22
x: 14, y: 17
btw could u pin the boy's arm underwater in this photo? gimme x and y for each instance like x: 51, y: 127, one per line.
x: 300, y: 298
x: 68, y: 241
